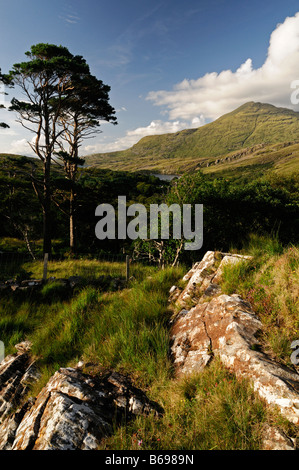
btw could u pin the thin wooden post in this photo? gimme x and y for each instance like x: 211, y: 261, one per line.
x: 2, y: 351
x: 127, y: 268
x: 46, y: 259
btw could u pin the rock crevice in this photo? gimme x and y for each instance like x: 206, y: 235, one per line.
x: 73, y: 411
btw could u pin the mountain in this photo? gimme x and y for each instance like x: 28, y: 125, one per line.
x: 251, y: 125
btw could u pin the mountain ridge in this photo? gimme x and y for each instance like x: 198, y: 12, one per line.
x: 250, y: 124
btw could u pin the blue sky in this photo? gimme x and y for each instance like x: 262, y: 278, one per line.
x: 171, y: 64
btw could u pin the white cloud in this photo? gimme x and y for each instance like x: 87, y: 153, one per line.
x: 69, y: 19
x: 117, y: 55
x: 21, y: 147
x: 161, y: 127
x: 215, y: 94
x: 68, y: 15
x: 7, y: 132
x: 133, y: 136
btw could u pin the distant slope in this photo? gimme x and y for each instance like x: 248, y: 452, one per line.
x: 19, y: 161
x: 249, y: 125
x: 282, y: 158
x: 24, y: 164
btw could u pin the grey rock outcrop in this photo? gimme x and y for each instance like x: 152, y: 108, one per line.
x: 204, y: 277
x: 208, y: 323
x: 276, y: 439
x: 73, y: 411
x: 13, y: 285
x: 17, y: 372
x: 226, y: 326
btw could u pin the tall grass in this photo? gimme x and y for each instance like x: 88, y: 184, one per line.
x: 208, y: 411
x: 128, y: 331
x: 60, y: 338
x: 55, y: 322
x: 125, y: 330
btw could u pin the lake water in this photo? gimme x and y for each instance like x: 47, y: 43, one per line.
x: 164, y: 177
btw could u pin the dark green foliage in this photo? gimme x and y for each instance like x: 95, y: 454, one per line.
x: 232, y: 210
x: 20, y: 207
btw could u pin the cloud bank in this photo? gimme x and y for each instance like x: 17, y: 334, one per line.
x: 215, y: 94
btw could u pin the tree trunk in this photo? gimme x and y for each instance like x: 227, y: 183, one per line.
x: 161, y: 249
x: 47, y: 247
x: 26, y: 238
x: 178, y: 251
x: 72, y: 222
x: 47, y: 228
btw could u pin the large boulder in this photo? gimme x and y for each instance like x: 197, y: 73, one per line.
x: 276, y: 439
x: 204, y: 326
x: 226, y: 326
x: 74, y: 411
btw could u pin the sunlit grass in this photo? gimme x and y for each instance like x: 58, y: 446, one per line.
x: 87, y: 269
x: 128, y: 331
x: 207, y: 411
x: 270, y: 282
x: 125, y: 330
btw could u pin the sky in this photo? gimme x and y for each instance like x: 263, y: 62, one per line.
x: 171, y: 64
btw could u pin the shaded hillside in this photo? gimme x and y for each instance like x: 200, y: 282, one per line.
x: 21, y: 163
x: 8, y: 159
x: 247, y: 126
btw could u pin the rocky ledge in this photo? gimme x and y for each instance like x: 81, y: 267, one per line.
x: 208, y: 323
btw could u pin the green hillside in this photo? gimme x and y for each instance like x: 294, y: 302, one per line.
x: 249, y: 125
x: 282, y: 158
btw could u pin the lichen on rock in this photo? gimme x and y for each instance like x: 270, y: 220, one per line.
x: 208, y: 323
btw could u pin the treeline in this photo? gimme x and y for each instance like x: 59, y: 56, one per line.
x: 22, y: 218
x: 232, y: 210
